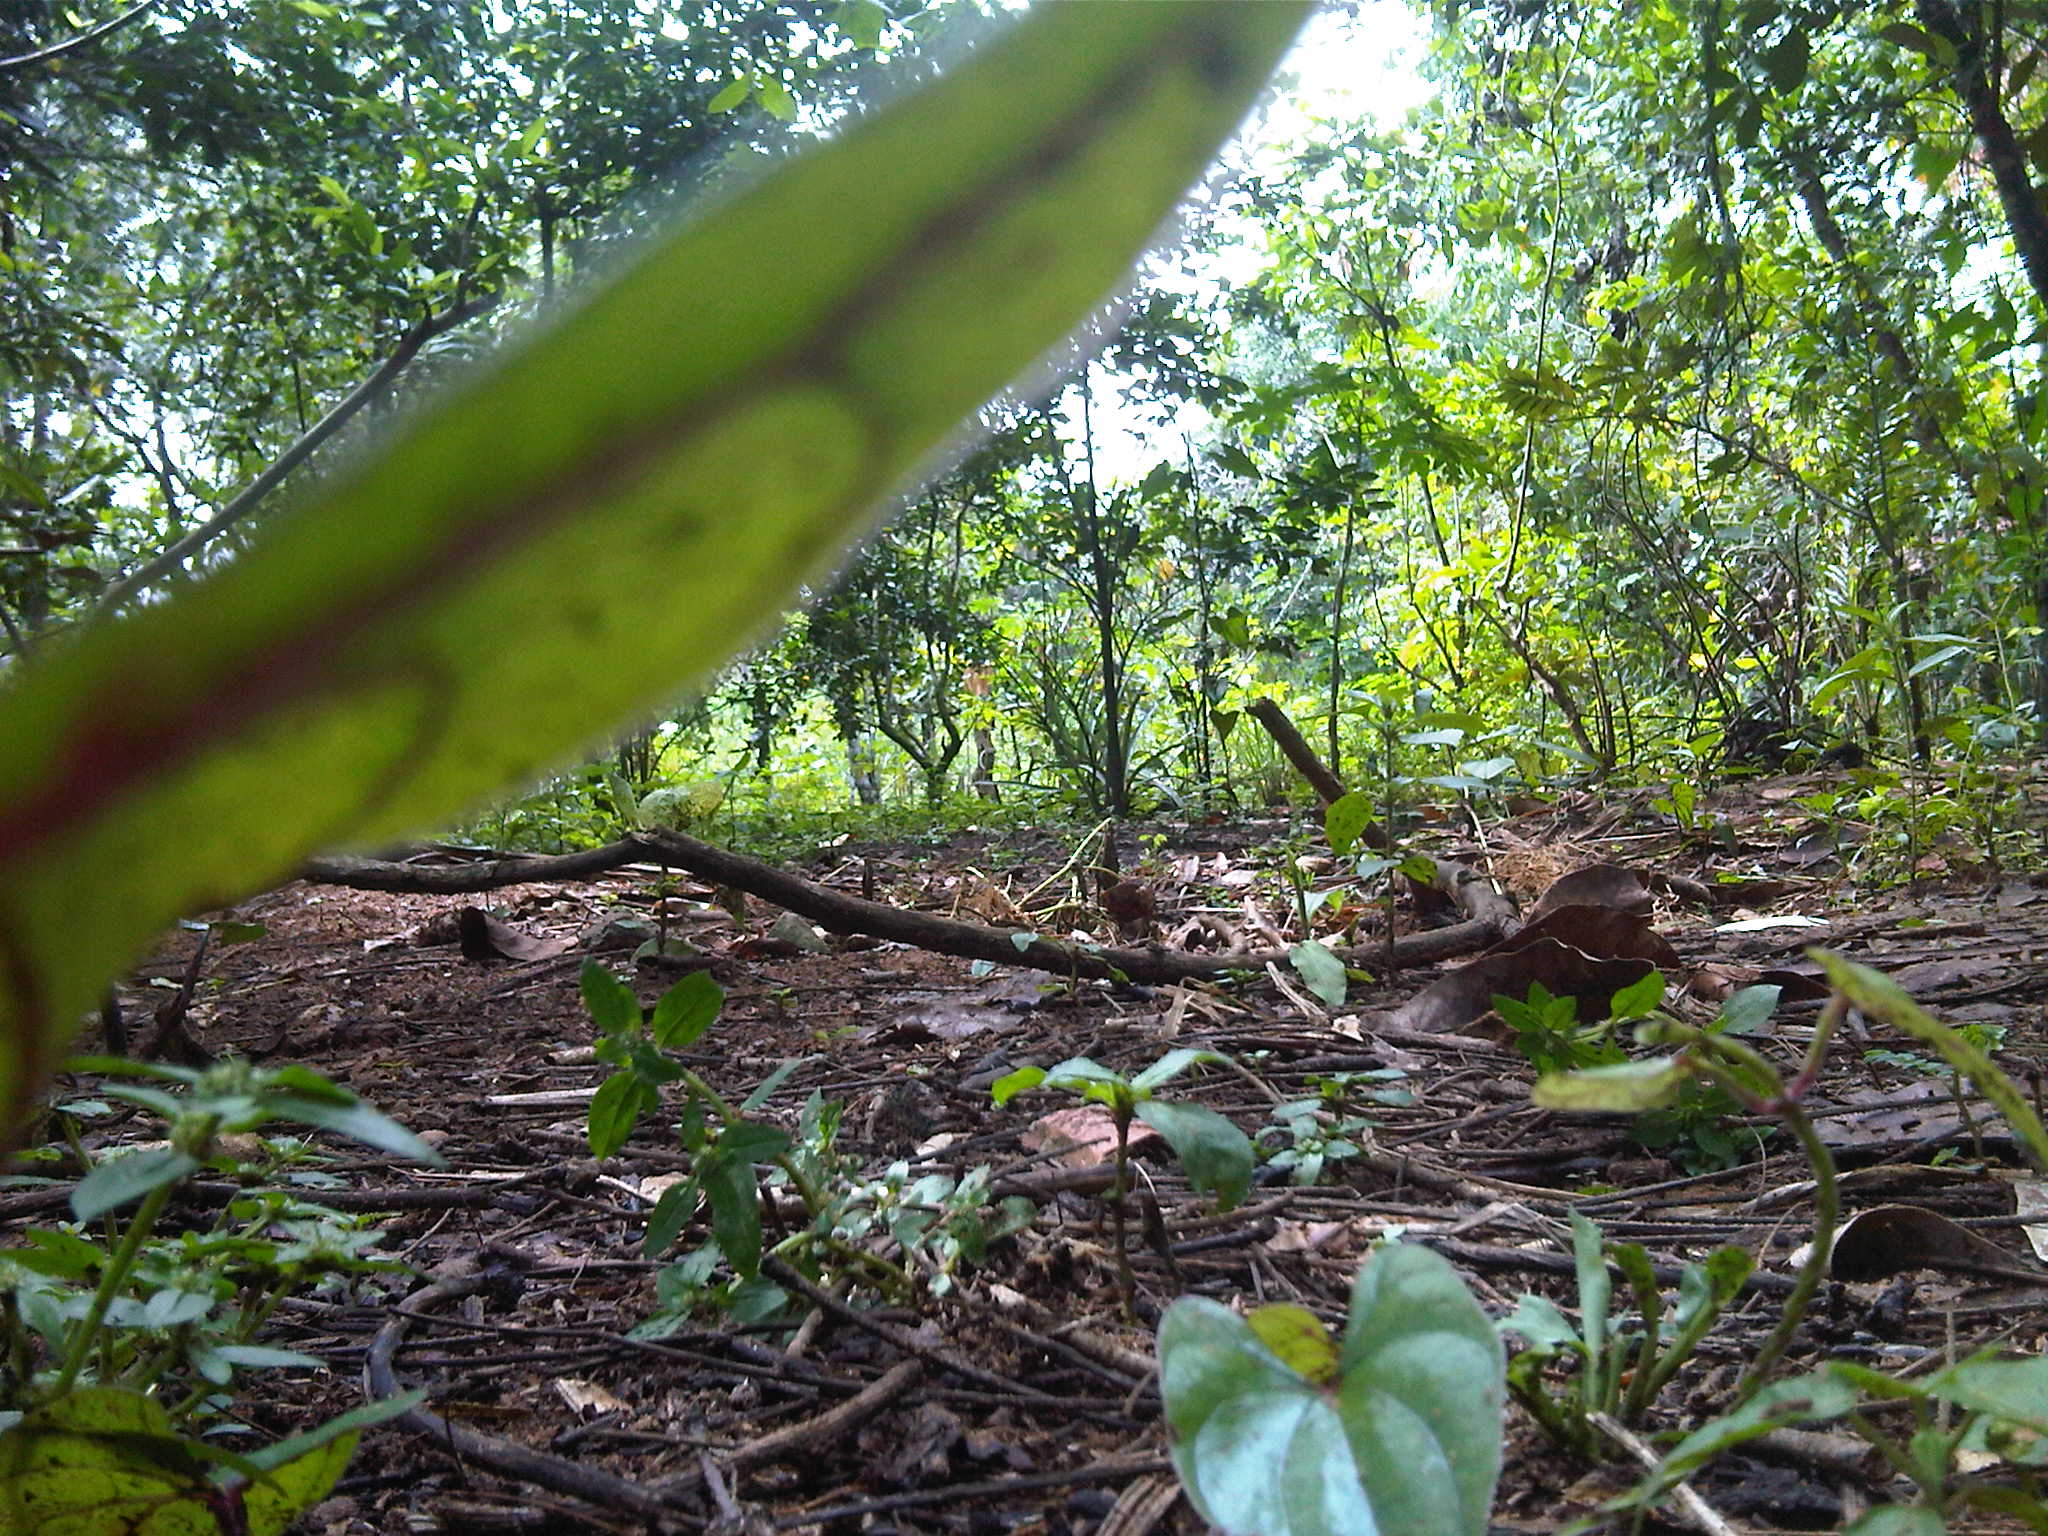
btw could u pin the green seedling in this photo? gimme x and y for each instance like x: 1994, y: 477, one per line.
x: 1279, y: 1430
x: 1681, y: 805
x: 1547, y: 1031
x: 1717, y: 1057
x: 937, y: 1222
x: 1216, y: 1154
x: 1621, y: 1371
x: 116, y: 1344
x: 1623, y: 1361
x: 1700, y: 1129
x: 1307, y: 1140
x: 1310, y: 1134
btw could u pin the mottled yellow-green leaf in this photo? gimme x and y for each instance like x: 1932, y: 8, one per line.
x: 606, y: 514
x: 1298, y: 1337
x: 105, y: 1461
x: 1625, y: 1088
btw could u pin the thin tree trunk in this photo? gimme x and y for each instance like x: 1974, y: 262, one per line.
x: 1336, y: 751
x: 1964, y: 28
x: 1103, y: 583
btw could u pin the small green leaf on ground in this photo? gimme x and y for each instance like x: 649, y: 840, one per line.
x: 1321, y: 970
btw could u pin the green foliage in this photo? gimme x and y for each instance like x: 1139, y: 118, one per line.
x: 1677, y: 1111
x: 1988, y: 1407
x: 1985, y: 1404
x: 1548, y: 1032
x: 117, y: 1350
x: 1642, y: 425
x: 1321, y: 970
x: 1623, y: 1361
x: 1216, y: 1154
x: 1345, y: 820
x: 935, y: 1221
x: 1306, y: 1143
x: 361, y: 653
x: 1523, y: 464
x: 1279, y: 1431
x: 1699, y: 1129
x: 1310, y: 1134
x: 723, y: 1152
x: 109, y: 1459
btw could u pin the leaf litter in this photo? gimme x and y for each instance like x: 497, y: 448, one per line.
x: 1021, y: 1397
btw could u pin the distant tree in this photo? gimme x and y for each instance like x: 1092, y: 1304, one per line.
x: 226, y: 233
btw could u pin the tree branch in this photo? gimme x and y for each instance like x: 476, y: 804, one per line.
x: 1962, y: 28
x: 89, y: 35
x: 343, y: 411
x: 1473, y: 893
x: 851, y: 914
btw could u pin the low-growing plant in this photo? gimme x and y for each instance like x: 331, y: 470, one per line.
x: 1990, y: 1411
x: 1346, y: 821
x: 1715, y: 1057
x: 1375, y: 1085
x: 1681, y: 804
x: 1310, y: 1134
x: 1307, y: 1140
x: 937, y: 1221
x: 1279, y: 1430
x: 1623, y: 1360
x: 1547, y: 1031
x: 118, y: 1342
x: 1704, y: 1128
x: 2003, y: 1401
x: 1217, y: 1156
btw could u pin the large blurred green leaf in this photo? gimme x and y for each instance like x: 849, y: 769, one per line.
x: 610, y: 512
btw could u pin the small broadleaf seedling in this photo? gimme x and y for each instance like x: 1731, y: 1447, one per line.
x: 1279, y: 1431
x: 1218, y: 1156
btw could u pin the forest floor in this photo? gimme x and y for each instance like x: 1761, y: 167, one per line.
x: 1030, y: 1406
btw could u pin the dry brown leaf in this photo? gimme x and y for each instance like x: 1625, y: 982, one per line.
x: 1082, y: 1136
x: 1890, y: 1239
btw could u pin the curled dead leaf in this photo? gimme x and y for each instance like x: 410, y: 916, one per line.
x: 1887, y: 1240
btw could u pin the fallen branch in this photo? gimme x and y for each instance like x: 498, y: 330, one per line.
x: 557, y: 1474
x: 1295, y: 748
x: 839, y: 913
x: 1470, y: 891
x: 489, y: 874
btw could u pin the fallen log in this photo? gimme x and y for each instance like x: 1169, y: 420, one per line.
x: 1295, y: 748
x: 485, y: 873
x: 840, y: 913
